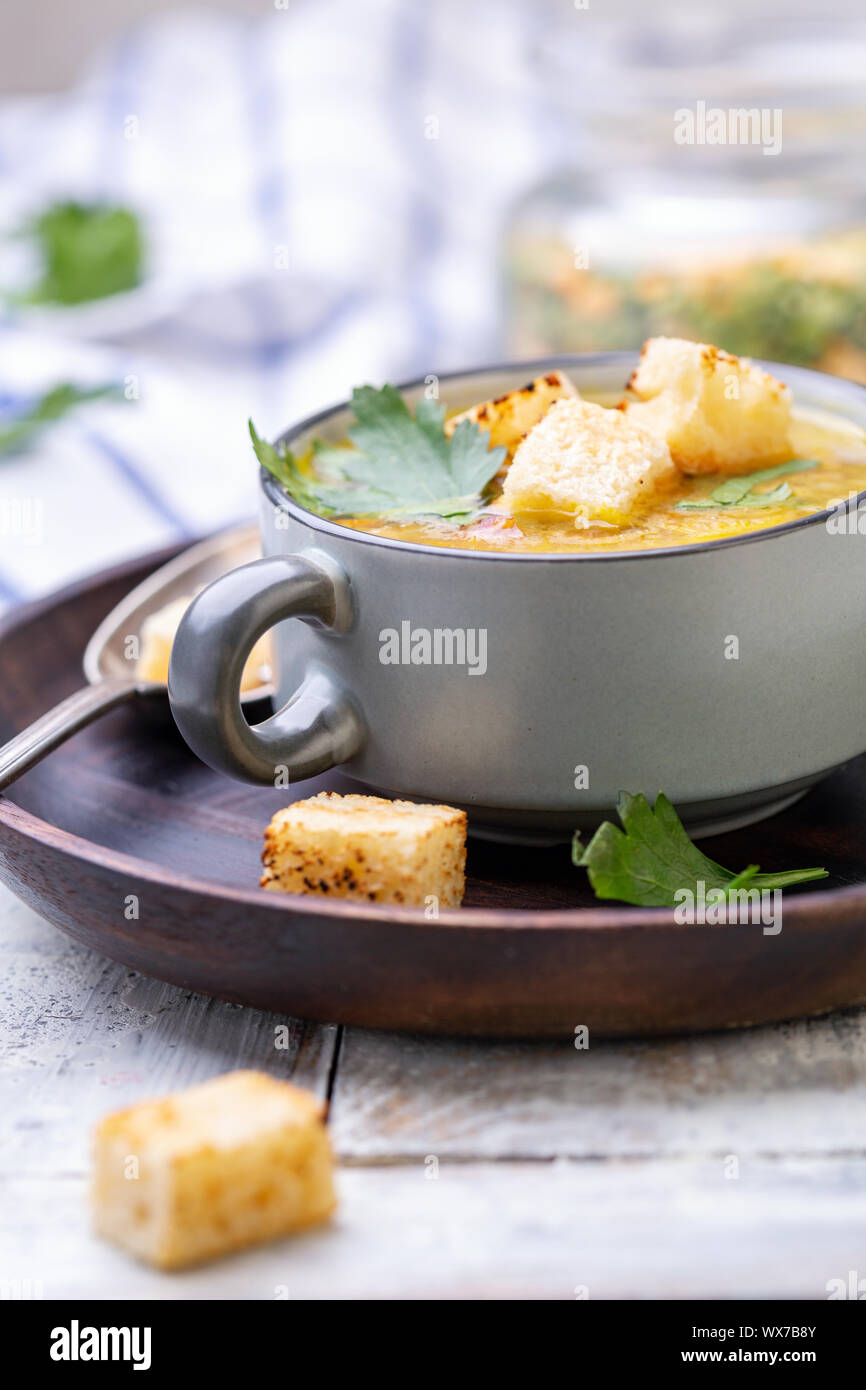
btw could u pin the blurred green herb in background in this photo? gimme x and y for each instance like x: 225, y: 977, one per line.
x: 18, y: 433
x: 811, y: 314
x: 87, y: 251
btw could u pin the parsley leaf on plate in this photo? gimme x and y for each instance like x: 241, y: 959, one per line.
x: 652, y: 858
x: 87, y: 250
x: 399, y: 464
x: 17, y: 433
x: 738, y: 492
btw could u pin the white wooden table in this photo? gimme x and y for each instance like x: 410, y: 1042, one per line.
x: 726, y: 1165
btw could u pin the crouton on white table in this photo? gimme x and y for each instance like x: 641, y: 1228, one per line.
x: 237, y: 1160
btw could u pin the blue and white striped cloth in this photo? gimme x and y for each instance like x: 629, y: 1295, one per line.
x: 324, y: 188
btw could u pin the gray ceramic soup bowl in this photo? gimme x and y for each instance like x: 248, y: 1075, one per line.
x: 530, y: 689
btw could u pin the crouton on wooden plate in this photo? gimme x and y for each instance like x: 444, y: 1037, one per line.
x: 367, y: 848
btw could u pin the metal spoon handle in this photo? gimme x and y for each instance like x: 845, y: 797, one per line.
x: 31, y: 745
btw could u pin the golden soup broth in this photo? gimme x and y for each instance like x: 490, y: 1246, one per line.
x: 841, y: 449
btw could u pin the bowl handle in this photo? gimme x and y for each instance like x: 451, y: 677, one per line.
x: 320, y: 725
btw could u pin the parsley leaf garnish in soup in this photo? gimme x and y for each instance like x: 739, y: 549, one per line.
x: 739, y: 491
x: 398, y: 464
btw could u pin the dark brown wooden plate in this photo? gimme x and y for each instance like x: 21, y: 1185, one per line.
x: 124, y: 814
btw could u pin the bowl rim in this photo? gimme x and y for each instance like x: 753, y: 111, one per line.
x: 278, y: 496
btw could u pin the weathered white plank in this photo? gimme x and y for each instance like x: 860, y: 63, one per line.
x: 80, y: 1036
x: 618, y: 1230
x: 796, y: 1088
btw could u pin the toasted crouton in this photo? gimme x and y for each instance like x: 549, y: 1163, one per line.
x: 510, y: 417
x: 590, y: 462
x: 240, y: 1159
x: 717, y: 413
x: 367, y: 848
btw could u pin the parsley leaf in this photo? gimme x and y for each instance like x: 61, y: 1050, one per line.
x: 735, y: 492
x: 400, y: 464
x: 327, y: 493
x: 653, y: 858
x: 87, y: 250
x: 16, y: 434
x: 767, y: 499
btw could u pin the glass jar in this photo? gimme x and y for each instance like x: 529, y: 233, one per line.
x: 676, y: 224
